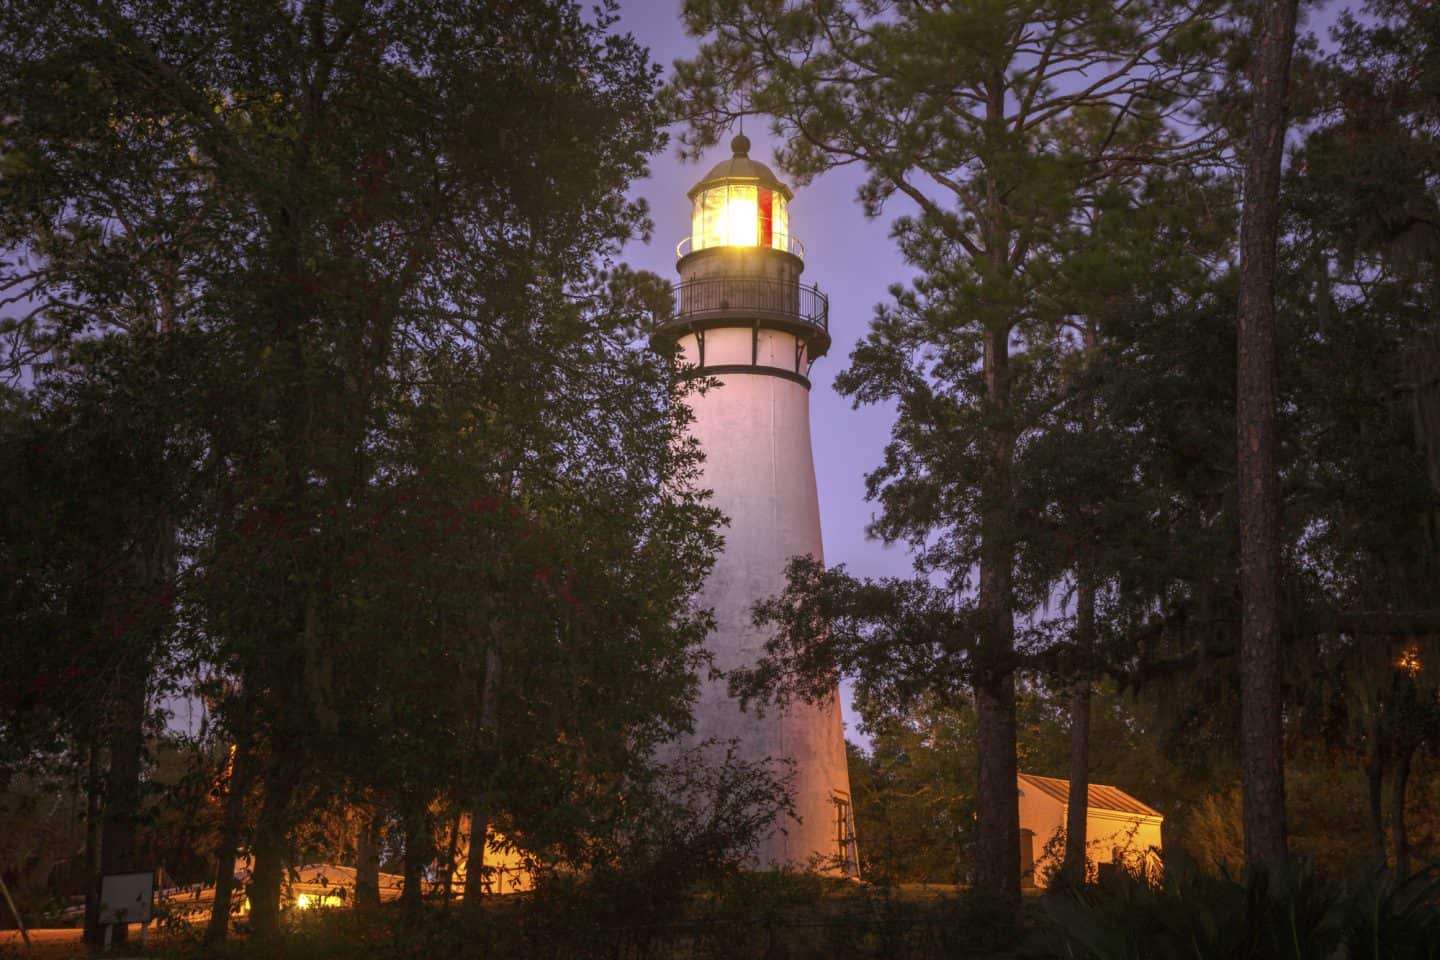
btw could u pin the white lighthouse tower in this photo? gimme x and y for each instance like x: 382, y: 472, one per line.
x: 744, y: 318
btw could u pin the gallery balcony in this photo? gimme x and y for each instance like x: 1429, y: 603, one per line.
x: 707, y: 302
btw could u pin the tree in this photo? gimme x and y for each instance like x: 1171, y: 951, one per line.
x: 96, y: 291
x: 1359, y: 211
x: 1262, y: 705
x: 914, y: 795
x: 94, y: 479
x: 429, y: 439
x: 965, y: 112
x: 1096, y: 493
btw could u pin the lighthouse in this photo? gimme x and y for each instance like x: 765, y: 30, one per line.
x: 744, y: 318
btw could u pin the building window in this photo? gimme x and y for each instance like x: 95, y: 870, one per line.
x: 847, y: 853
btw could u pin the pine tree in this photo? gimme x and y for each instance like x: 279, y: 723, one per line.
x: 974, y: 116
x: 1261, y: 729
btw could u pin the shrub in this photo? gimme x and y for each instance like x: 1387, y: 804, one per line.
x: 1291, y: 915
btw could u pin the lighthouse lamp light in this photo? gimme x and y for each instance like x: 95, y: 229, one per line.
x: 739, y: 215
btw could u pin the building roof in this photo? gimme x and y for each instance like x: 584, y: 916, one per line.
x: 742, y: 169
x: 1101, y: 797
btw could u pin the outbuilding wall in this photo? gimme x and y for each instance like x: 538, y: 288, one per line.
x: 1107, y: 832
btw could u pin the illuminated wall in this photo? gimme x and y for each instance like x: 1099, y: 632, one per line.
x: 1109, y: 833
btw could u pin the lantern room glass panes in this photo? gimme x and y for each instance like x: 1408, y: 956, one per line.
x: 780, y: 224
x: 739, y: 215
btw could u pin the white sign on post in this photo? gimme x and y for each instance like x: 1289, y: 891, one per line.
x: 126, y: 898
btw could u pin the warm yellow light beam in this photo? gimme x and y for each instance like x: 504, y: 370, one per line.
x: 741, y: 218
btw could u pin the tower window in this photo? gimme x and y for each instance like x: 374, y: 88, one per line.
x: 846, y: 850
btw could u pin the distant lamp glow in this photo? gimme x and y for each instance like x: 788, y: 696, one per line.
x: 312, y: 901
x: 1409, y: 662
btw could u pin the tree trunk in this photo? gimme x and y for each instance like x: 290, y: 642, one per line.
x: 1261, y: 731
x: 15, y: 913
x: 141, y: 623
x: 231, y: 830
x: 367, y: 863
x: 1073, y: 868
x: 1374, y: 780
x: 997, y: 813
x: 419, y: 850
x: 452, y: 850
x: 271, y: 833
x: 479, y: 810
x: 997, y: 845
x: 1077, y: 810
x: 475, y: 860
x: 92, y: 933
x: 1398, y: 785
x: 122, y: 793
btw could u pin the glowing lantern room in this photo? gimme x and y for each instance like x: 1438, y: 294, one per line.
x: 740, y: 203
x: 740, y: 299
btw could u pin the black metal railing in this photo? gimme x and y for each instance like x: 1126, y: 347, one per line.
x: 783, y: 243
x: 781, y: 299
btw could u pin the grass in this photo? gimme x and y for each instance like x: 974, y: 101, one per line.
x: 774, y: 916
x: 760, y: 916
